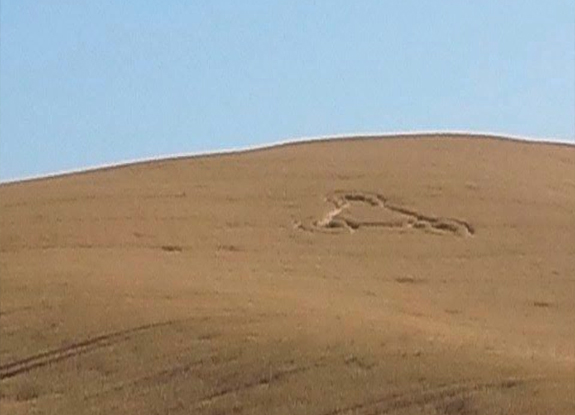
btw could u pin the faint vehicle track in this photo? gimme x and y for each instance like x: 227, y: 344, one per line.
x: 337, y: 220
x: 440, y: 395
x: 262, y: 380
x: 46, y: 358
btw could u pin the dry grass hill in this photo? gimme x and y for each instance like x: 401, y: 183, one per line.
x: 424, y: 275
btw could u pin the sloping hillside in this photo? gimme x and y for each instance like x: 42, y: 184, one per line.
x: 425, y: 275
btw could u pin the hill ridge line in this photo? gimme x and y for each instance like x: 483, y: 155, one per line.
x: 293, y: 141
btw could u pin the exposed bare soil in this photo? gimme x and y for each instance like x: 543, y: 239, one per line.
x: 433, y: 275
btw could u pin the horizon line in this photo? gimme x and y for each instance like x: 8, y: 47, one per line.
x: 286, y: 142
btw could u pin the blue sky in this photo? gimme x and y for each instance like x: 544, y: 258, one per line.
x: 90, y: 82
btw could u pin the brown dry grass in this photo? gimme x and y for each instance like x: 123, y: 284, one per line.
x: 401, y: 276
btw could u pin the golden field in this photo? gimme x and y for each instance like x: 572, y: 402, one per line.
x: 429, y: 274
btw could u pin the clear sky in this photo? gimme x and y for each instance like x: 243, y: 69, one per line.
x: 90, y: 82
